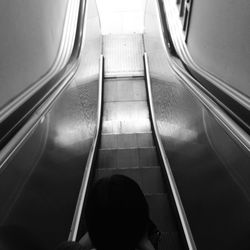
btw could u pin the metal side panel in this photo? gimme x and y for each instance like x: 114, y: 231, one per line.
x: 39, y: 184
x: 210, y: 167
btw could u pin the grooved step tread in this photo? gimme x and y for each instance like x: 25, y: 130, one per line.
x: 126, y: 126
x: 170, y: 241
x: 123, y: 55
x: 128, y: 157
x: 124, y: 90
x: 113, y: 141
x: 120, y: 111
x: 148, y: 178
x: 161, y: 212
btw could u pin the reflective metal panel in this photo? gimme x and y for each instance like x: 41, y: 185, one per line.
x: 210, y: 169
x: 40, y: 185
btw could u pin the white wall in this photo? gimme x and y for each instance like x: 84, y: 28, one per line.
x: 30, y: 32
x: 219, y: 40
x: 121, y: 16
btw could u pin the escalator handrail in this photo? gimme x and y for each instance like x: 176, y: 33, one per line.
x: 177, y: 38
x: 90, y: 160
x: 225, y: 120
x: 61, y: 81
x: 20, y: 137
x: 180, y: 209
x: 236, y: 131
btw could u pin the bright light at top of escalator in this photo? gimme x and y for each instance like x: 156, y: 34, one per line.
x: 121, y: 16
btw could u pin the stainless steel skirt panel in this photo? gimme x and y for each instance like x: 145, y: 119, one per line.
x: 40, y: 185
x: 211, y: 170
x: 44, y: 177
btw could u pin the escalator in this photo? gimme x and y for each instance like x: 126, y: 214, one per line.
x: 127, y: 144
x: 147, y: 124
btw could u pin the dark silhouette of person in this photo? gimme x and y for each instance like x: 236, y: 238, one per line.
x: 117, y: 217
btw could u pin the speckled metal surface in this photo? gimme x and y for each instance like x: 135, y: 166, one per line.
x: 123, y: 55
x: 210, y: 169
x: 45, y: 176
x: 39, y: 188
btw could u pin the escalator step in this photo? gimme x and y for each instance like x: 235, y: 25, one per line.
x: 123, y: 54
x: 126, y: 141
x: 128, y: 157
x: 107, y: 158
x: 134, y: 174
x: 148, y: 157
x: 131, y: 111
x: 126, y: 126
x: 161, y: 212
x: 145, y: 140
x: 108, y: 141
x: 112, y: 141
x: 148, y: 178
x: 152, y: 181
x: 124, y: 90
x: 170, y: 241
